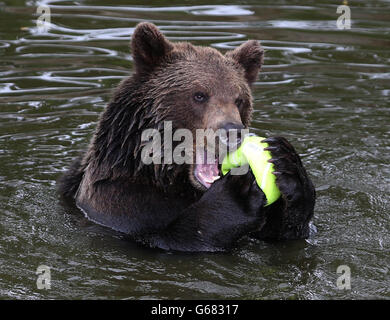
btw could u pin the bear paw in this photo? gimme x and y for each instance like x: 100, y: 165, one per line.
x: 291, y: 176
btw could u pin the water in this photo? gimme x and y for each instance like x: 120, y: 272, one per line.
x: 327, y: 90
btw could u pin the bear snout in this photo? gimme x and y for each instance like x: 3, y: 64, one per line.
x: 230, y: 134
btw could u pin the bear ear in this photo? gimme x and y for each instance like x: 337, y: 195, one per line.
x: 250, y: 55
x: 148, y: 47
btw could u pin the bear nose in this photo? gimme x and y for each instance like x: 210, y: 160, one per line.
x: 231, y: 134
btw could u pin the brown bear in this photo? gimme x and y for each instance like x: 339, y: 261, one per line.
x: 185, y: 207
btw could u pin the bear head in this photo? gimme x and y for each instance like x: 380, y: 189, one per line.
x: 193, y: 87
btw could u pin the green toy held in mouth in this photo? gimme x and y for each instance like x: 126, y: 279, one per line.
x: 252, y: 152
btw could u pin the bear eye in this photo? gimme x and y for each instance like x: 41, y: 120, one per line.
x: 200, y: 97
x: 239, y: 103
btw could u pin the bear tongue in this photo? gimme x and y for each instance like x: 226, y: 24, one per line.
x: 206, y: 173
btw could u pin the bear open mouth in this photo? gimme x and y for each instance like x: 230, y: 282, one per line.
x: 206, y: 168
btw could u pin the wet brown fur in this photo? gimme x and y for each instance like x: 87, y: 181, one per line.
x: 111, y: 183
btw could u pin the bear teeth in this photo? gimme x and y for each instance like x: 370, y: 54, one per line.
x: 208, y: 179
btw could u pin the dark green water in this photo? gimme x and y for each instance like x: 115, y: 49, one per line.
x: 325, y: 89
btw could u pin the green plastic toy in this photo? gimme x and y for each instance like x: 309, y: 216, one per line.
x: 252, y: 152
